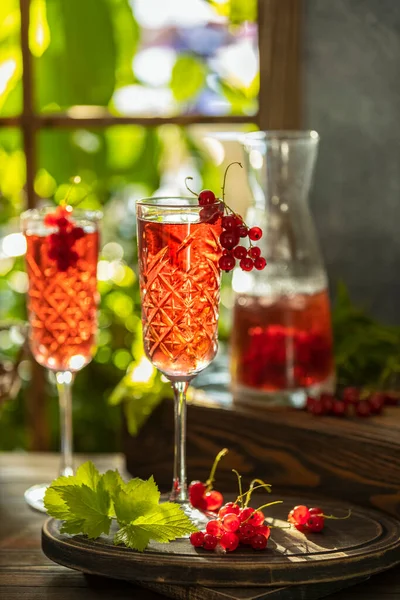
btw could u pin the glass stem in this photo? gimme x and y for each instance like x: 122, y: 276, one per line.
x: 64, y: 387
x: 179, y: 491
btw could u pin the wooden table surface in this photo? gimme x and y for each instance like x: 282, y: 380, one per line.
x: 26, y: 574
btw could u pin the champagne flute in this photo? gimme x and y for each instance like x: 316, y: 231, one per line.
x: 180, y: 289
x: 61, y: 260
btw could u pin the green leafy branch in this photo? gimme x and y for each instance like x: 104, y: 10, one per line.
x: 367, y: 353
x: 88, y: 502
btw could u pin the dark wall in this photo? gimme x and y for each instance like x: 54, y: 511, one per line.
x: 352, y: 98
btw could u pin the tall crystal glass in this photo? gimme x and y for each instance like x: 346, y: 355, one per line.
x: 62, y: 306
x: 180, y: 290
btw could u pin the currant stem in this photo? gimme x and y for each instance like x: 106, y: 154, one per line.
x: 211, y: 478
x: 226, y: 171
x: 251, y: 489
x: 269, y: 504
x: 335, y: 518
x: 239, y: 478
x: 187, y: 187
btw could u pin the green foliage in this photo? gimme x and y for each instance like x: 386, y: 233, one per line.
x: 83, y: 52
x: 87, y: 502
x: 188, y: 77
x: 79, y: 65
x: 367, y: 353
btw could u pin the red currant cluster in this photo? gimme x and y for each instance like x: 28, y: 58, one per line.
x: 307, y: 519
x: 202, y: 495
x: 233, y: 526
x: 234, y: 229
x: 61, y: 243
x: 311, y: 519
x: 352, y: 402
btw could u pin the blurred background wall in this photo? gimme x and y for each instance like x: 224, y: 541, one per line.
x: 351, y: 87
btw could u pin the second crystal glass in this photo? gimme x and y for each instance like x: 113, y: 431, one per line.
x: 61, y: 260
x: 180, y: 289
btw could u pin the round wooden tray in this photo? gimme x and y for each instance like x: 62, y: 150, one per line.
x: 366, y: 543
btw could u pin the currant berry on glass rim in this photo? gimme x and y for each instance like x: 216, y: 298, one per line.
x: 234, y: 230
x: 202, y: 495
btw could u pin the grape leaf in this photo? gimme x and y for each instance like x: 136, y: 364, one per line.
x: 91, y: 507
x: 130, y: 536
x: 88, y: 474
x: 165, y: 523
x: 55, y: 505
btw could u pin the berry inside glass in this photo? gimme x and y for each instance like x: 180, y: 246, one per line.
x: 61, y: 262
x: 179, y: 252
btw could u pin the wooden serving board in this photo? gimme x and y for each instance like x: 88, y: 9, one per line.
x: 347, y: 550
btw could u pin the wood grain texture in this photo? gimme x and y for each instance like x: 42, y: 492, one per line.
x: 366, y: 543
x: 355, y: 460
x: 27, y: 574
x: 280, y: 64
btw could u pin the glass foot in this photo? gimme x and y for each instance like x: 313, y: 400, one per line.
x: 198, y: 517
x: 34, y: 496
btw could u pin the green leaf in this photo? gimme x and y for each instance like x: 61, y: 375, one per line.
x: 112, y: 481
x: 88, y: 474
x: 243, y: 10
x: 78, y: 67
x: 55, y: 505
x: 132, y: 537
x: 167, y: 522
x: 143, y: 490
x: 188, y: 77
x: 88, y: 506
x: 73, y: 526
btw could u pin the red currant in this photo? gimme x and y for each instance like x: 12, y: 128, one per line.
x: 226, y: 262
x: 254, y: 252
x: 327, y: 402
x: 210, y: 542
x: 242, y: 231
x: 228, y: 509
x: 238, y: 220
x: 197, y: 539
x: 63, y: 223
x: 255, y: 234
x: 231, y: 522
x: 209, y: 214
x: 246, y: 264
x: 315, y: 523
x: 264, y: 530
x: 244, y: 539
x: 77, y: 233
x: 239, y: 252
x: 318, y: 408
x: 214, y: 500
x: 247, y: 530
x: 363, y: 409
x: 260, y: 263
x: 228, y: 222
x: 351, y: 395
x: 215, y: 528
x: 228, y: 240
x: 245, y: 513
x: 229, y: 541
x: 376, y: 402
x: 197, y: 490
x: 206, y: 197
x: 299, y: 514
x: 259, y: 542
x: 339, y: 408
x: 316, y: 510
x: 257, y: 518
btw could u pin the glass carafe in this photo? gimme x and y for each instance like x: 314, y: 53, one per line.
x: 281, y: 345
